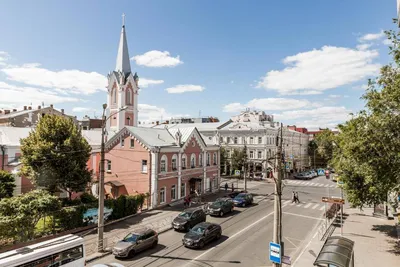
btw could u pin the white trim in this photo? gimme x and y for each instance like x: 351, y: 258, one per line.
x: 154, y: 180
x: 193, y: 156
x: 179, y: 161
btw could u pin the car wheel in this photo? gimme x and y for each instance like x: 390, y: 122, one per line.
x: 201, y: 244
x: 131, y: 253
x: 221, y: 213
x: 155, y: 243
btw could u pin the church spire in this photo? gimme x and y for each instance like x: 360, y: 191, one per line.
x: 123, y: 63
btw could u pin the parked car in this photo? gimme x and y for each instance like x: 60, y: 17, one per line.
x: 202, y: 234
x: 314, y: 173
x: 189, y: 218
x: 134, y: 242
x: 235, y: 193
x: 300, y: 176
x: 220, y: 207
x: 308, y: 175
x: 243, y: 199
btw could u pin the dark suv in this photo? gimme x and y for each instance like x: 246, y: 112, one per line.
x: 188, y: 218
x: 220, y: 207
x: 202, y: 234
x: 243, y: 199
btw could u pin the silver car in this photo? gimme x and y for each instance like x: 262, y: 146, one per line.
x: 135, y: 242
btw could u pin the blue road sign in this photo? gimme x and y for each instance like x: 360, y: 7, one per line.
x: 274, y: 252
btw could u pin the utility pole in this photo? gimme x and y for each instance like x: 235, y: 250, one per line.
x: 278, y: 194
x: 245, y: 167
x: 3, y: 154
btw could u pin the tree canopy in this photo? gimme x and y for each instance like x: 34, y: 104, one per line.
x: 239, y: 158
x: 55, y: 154
x: 7, y: 184
x: 366, y: 154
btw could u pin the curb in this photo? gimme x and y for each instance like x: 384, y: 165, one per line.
x: 110, y: 252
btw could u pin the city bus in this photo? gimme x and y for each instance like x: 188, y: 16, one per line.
x: 66, y: 251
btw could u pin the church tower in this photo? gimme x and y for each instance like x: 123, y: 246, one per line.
x: 122, y: 89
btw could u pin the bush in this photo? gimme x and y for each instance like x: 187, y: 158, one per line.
x: 88, y: 198
x: 124, y: 205
x: 70, y: 217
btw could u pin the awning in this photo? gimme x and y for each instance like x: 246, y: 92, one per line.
x: 115, y: 183
x: 195, y: 180
x: 337, y: 251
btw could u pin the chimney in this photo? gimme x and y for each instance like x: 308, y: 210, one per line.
x: 7, y: 111
x: 14, y: 109
x: 62, y: 111
x: 25, y: 107
x: 51, y: 105
x: 157, y: 122
x: 39, y: 107
x: 30, y: 108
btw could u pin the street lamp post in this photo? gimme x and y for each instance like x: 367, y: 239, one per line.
x: 100, y: 216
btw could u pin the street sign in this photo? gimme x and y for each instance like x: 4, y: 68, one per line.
x: 275, y: 252
x: 333, y: 200
x: 286, y: 260
x: 237, y: 172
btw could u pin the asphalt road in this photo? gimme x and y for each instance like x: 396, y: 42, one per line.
x: 246, y: 233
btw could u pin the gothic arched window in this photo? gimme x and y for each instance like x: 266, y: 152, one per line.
x: 114, y: 95
x: 128, y: 97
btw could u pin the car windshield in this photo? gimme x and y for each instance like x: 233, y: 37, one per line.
x: 240, y: 196
x: 198, y: 230
x: 130, y: 238
x: 185, y: 214
x: 218, y: 203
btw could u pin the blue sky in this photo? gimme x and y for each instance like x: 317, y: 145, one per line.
x: 304, y: 61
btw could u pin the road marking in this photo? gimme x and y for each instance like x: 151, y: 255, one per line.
x: 304, y: 249
x: 332, y: 186
x: 323, y: 207
x: 326, y: 185
x: 320, y: 185
x: 308, y: 205
x: 299, y: 205
x: 286, y: 202
x: 304, y: 216
x: 231, y: 237
x: 293, y: 203
x: 291, y: 242
x: 312, y: 184
x: 315, y: 206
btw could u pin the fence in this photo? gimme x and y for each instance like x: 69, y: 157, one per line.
x: 326, y: 228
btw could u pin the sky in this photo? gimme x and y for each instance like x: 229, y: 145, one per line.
x: 306, y: 62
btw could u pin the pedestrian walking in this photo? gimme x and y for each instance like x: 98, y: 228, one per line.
x: 297, y: 197
x: 293, y: 197
x: 226, y: 187
x: 233, y: 188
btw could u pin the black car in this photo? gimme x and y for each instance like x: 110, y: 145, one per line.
x: 188, y: 218
x: 243, y: 199
x: 202, y: 234
x: 220, y: 207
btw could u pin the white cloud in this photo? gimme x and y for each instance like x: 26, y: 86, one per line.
x: 319, y: 117
x: 321, y: 69
x: 15, y: 96
x: 149, y: 113
x: 183, y: 88
x: 82, y: 109
x: 143, y: 82
x: 268, y: 104
x: 371, y: 36
x: 334, y: 96
x: 364, y: 46
x: 3, y: 58
x: 156, y: 59
x: 387, y: 42
x: 72, y: 81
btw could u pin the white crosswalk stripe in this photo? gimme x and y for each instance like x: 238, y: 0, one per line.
x: 315, y: 206
x: 327, y: 185
x: 286, y: 202
x: 322, y: 208
x: 308, y: 205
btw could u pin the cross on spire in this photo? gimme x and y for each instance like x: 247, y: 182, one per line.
x: 123, y: 19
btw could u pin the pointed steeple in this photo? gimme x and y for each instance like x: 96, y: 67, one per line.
x: 123, y: 63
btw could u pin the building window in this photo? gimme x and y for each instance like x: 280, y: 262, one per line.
x: 163, y: 164
x: 260, y: 140
x: 144, y: 166
x: 183, y: 190
x: 251, y: 140
x: 229, y: 154
x: 122, y: 142
x: 174, y: 168
x: 259, y: 154
x: 128, y: 121
x: 132, y: 143
x: 193, y: 161
x: 128, y: 97
x: 208, y: 159
x: 221, y: 139
x: 109, y: 166
x: 215, y: 158
x: 183, y: 161
x: 235, y: 140
x: 162, y: 195
x: 173, y: 192
x: 251, y: 154
x: 201, y: 159
x: 114, y: 95
x: 228, y: 139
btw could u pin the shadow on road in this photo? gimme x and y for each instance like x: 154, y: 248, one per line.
x: 142, y: 254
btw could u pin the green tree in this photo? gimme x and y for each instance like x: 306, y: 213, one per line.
x: 239, y: 158
x: 367, y: 156
x: 19, y: 215
x: 55, y: 154
x: 325, y: 145
x: 7, y: 184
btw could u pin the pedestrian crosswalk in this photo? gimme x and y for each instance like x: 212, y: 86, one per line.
x: 289, y: 203
x: 307, y: 183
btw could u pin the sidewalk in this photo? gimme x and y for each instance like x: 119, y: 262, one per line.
x: 158, y: 219
x: 376, y: 240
